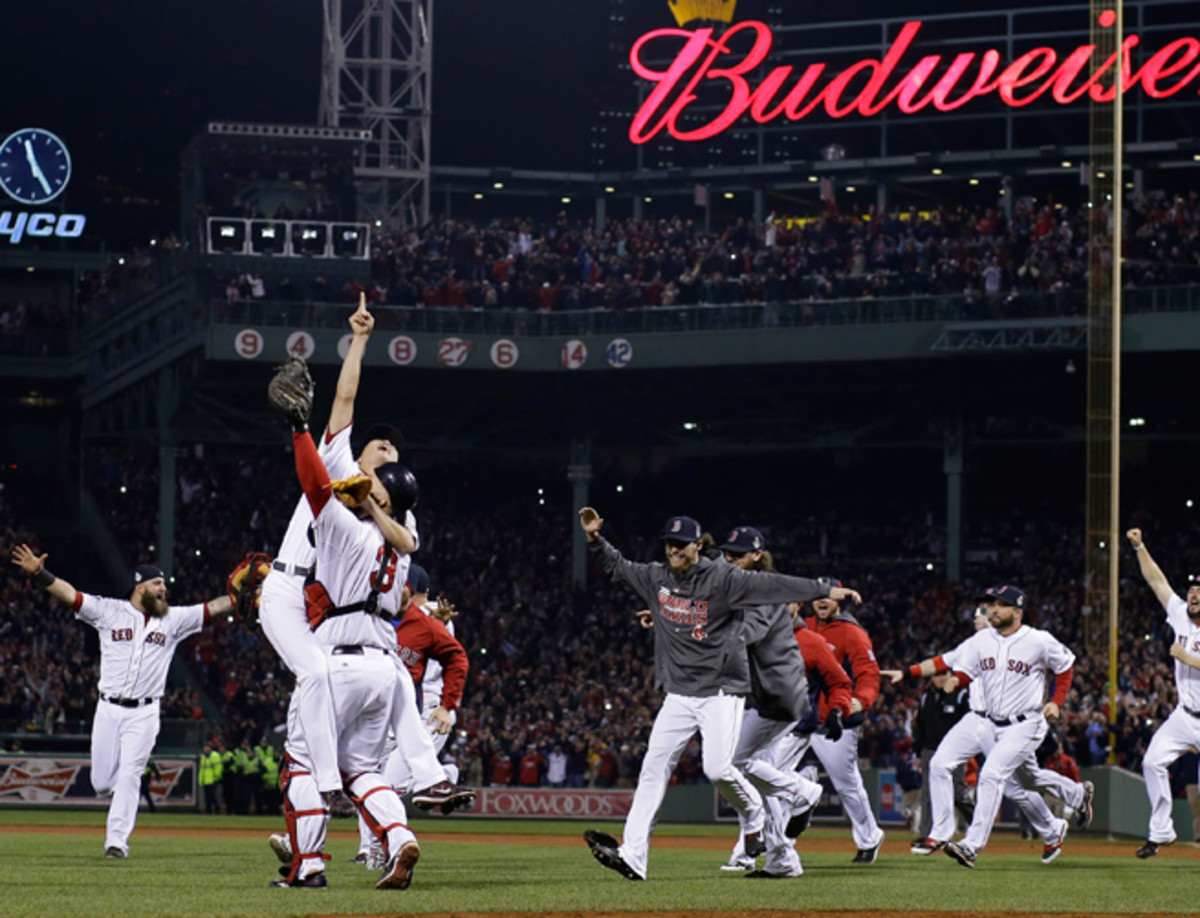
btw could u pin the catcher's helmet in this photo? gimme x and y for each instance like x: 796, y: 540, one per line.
x: 401, y: 485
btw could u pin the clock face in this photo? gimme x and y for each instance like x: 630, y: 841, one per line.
x: 34, y: 166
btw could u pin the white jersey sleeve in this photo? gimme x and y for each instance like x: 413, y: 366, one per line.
x: 337, y: 454
x: 1187, y: 678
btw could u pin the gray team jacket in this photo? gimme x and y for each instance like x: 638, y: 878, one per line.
x: 778, y: 686
x: 699, y: 648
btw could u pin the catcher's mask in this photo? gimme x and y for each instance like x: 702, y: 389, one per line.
x: 401, y: 486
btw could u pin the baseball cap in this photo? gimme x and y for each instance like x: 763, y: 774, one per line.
x: 1009, y: 595
x: 743, y: 539
x: 681, y: 529
x: 144, y: 572
x: 383, y: 432
x: 418, y: 579
x: 830, y: 582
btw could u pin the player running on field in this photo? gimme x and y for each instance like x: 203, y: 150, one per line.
x: 1011, y: 661
x: 700, y: 660
x: 1181, y: 731
x: 138, y: 637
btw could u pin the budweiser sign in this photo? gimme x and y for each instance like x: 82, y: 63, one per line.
x: 702, y: 60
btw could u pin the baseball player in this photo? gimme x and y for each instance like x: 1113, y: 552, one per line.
x: 700, y: 660
x: 424, y: 642
x: 779, y: 699
x: 970, y: 736
x: 349, y: 612
x: 281, y: 607
x: 852, y: 647
x: 138, y: 637
x: 1181, y: 731
x: 1010, y: 660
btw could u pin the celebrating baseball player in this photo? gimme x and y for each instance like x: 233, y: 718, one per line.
x: 138, y: 637
x: 282, y: 605
x: 701, y: 662
x: 1010, y: 661
x: 349, y: 610
x: 972, y: 735
x: 851, y: 646
x: 779, y: 700
x: 1181, y: 731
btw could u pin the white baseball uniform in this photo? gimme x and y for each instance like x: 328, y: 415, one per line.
x: 355, y: 563
x: 135, y: 655
x: 1011, y: 670
x: 1180, y: 732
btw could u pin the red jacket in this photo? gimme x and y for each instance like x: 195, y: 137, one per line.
x: 821, y: 666
x: 852, y: 649
x: 421, y: 638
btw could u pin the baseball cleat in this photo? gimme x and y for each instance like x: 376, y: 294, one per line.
x: 606, y: 851
x: 866, y: 855
x: 1150, y: 849
x: 1052, y: 849
x: 339, y: 805
x: 282, y: 846
x: 397, y: 874
x: 754, y: 844
x: 770, y: 875
x: 1083, y: 815
x: 444, y: 794
x: 926, y: 846
x: 312, y: 881
x: 738, y: 864
x: 114, y: 852
x: 961, y: 852
x: 360, y: 858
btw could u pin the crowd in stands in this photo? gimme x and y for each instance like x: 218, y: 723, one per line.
x: 561, y: 688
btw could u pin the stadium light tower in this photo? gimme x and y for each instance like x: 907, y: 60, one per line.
x: 377, y: 71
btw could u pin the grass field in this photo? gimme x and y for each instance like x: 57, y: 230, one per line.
x: 185, y: 866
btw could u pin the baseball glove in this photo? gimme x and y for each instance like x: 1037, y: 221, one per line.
x: 290, y: 391
x: 351, y: 491
x: 244, y: 584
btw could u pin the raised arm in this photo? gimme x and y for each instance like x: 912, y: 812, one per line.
x: 1150, y: 570
x: 395, y: 532
x: 361, y: 324
x: 35, y: 566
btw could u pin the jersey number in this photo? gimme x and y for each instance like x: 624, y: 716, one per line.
x: 383, y: 578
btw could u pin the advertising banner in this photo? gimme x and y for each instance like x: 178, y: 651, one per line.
x: 551, y: 803
x: 50, y: 780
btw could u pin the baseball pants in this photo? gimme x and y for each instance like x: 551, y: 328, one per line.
x: 363, y: 697
x: 719, y: 720
x: 841, y: 762
x: 281, y: 611
x: 1178, y: 734
x: 962, y: 796
x: 122, y: 740
x: 782, y: 756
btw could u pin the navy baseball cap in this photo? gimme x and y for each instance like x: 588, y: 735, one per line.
x: 681, y: 529
x: 383, y: 432
x: 1009, y: 595
x: 144, y: 572
x: 418, y: 579
x: 742, y: 540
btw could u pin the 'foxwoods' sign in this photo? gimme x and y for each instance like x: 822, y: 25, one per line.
x: 870, y: 86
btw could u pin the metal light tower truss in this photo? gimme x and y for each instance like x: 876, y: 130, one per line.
x: 377, y: 75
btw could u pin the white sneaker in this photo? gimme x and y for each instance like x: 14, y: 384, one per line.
x: 738, y: 864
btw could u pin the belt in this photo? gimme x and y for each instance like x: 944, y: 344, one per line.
x: 1007, y: 721
x: 287, y: 567
x: 358, y: 649
x: 128, y: 702
x: 1195, y: 714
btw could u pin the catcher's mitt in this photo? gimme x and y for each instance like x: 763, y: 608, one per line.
x: 351, y: 491
x: 290, y: 391
x: 244, y: 584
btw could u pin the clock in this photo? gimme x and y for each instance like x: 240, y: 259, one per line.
x: 34, y: 166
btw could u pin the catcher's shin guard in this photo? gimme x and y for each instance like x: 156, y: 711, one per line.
x: 381, y: 809
x: 304, y: 812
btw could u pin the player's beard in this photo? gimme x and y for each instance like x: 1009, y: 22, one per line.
x: 153, y: 606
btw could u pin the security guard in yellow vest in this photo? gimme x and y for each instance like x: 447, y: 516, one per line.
x: 212, y: 770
